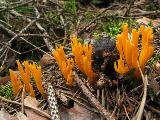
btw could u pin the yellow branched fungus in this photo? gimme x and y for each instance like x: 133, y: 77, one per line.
x: 16, y: 83
x: 25, y: 74
x: 129, y: 52
x: 36, y: 73
x: 65, y: 65
x: 83, y: 54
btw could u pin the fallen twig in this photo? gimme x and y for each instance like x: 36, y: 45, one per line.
x: 17, y: 5
x: 128, y: 9
x: 106, y: 114
x: 22, y: 98
x: 11, y: 33
x: 139, y: 113
x: 44, y: 32
x: 33, y: 108
x: 146, y: 13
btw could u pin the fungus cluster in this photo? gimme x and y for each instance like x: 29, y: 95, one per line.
x: 129, y: 52
x: 65, y: 65
x: 25, y: 75
x: 82, y: 55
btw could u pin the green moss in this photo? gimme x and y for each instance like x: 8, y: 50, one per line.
x: 154, y: 59
x: 71, y: 6
x: 152, y: 6
x: 112, y: 26
x: 25, y: 10
x: 6, y: 91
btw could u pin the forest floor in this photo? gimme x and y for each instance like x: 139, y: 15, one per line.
x: 30, y: 30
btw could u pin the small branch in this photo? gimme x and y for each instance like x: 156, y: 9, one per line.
x: 5, y: 58
x: 106, y: 114
x: 97, y: 17
x: 22, y: 99
x: 34, y: 109
x: 129, y: 8
x: 146, y: 13
x: 44, y: 32
x: 11, y: 33
x: 12, y: 7
x: 10, y: 48
x: 47, y: 42
x: 34, y: 35
x: 24, y: 29
x: 139, y: 113
x: 31, y: 22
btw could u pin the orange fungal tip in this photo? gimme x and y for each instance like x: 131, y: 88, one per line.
x: 15, y: 81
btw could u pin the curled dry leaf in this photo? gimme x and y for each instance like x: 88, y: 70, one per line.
x: 21, y: 116
x: 4, y: 115
x: 157, y: 67
x: 31, y: 101
x: 155, y: 86
x: 31, y: 115
x: 146, y: 21
x: 46, y: 60
x: 4, y: 80
x: 2, y: 68
x: 78, y: 113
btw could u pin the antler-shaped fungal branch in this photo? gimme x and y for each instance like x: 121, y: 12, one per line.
x: 65, y: 65
x: 83, y: 54
x: 16, y: 83
x: 128, y: 49
x: 25, y: 74
x: 36, y: 73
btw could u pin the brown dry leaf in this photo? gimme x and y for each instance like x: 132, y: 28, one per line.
x: 78, y: 113
x: 4, y: 80
x: 146, y: 20
x: 4, y: 115
x: 155, y: 86
x: 2, y: 68
x: 31, y: 115
x: 157, y: 67
x: 31, y: 101
x: 21, y: 116
x: 14, y: 118
x: 46, y: 60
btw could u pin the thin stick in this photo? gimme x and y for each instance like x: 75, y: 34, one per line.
x: 30, y: 107
x: 129, y: 8
x: 13, y: 34
x: 126, y: 112
x: 22, y: 99
x: 44, y: 32
x: 106, y: 114
x: 139, y: 113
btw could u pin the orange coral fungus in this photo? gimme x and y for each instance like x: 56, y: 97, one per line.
x: 83, y: 54
x: 16, y: 83
x: 31, y: 90
x: 25, y: 74
x: 128, y: 49
x: 65, y: 65
x: 36, y: 72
